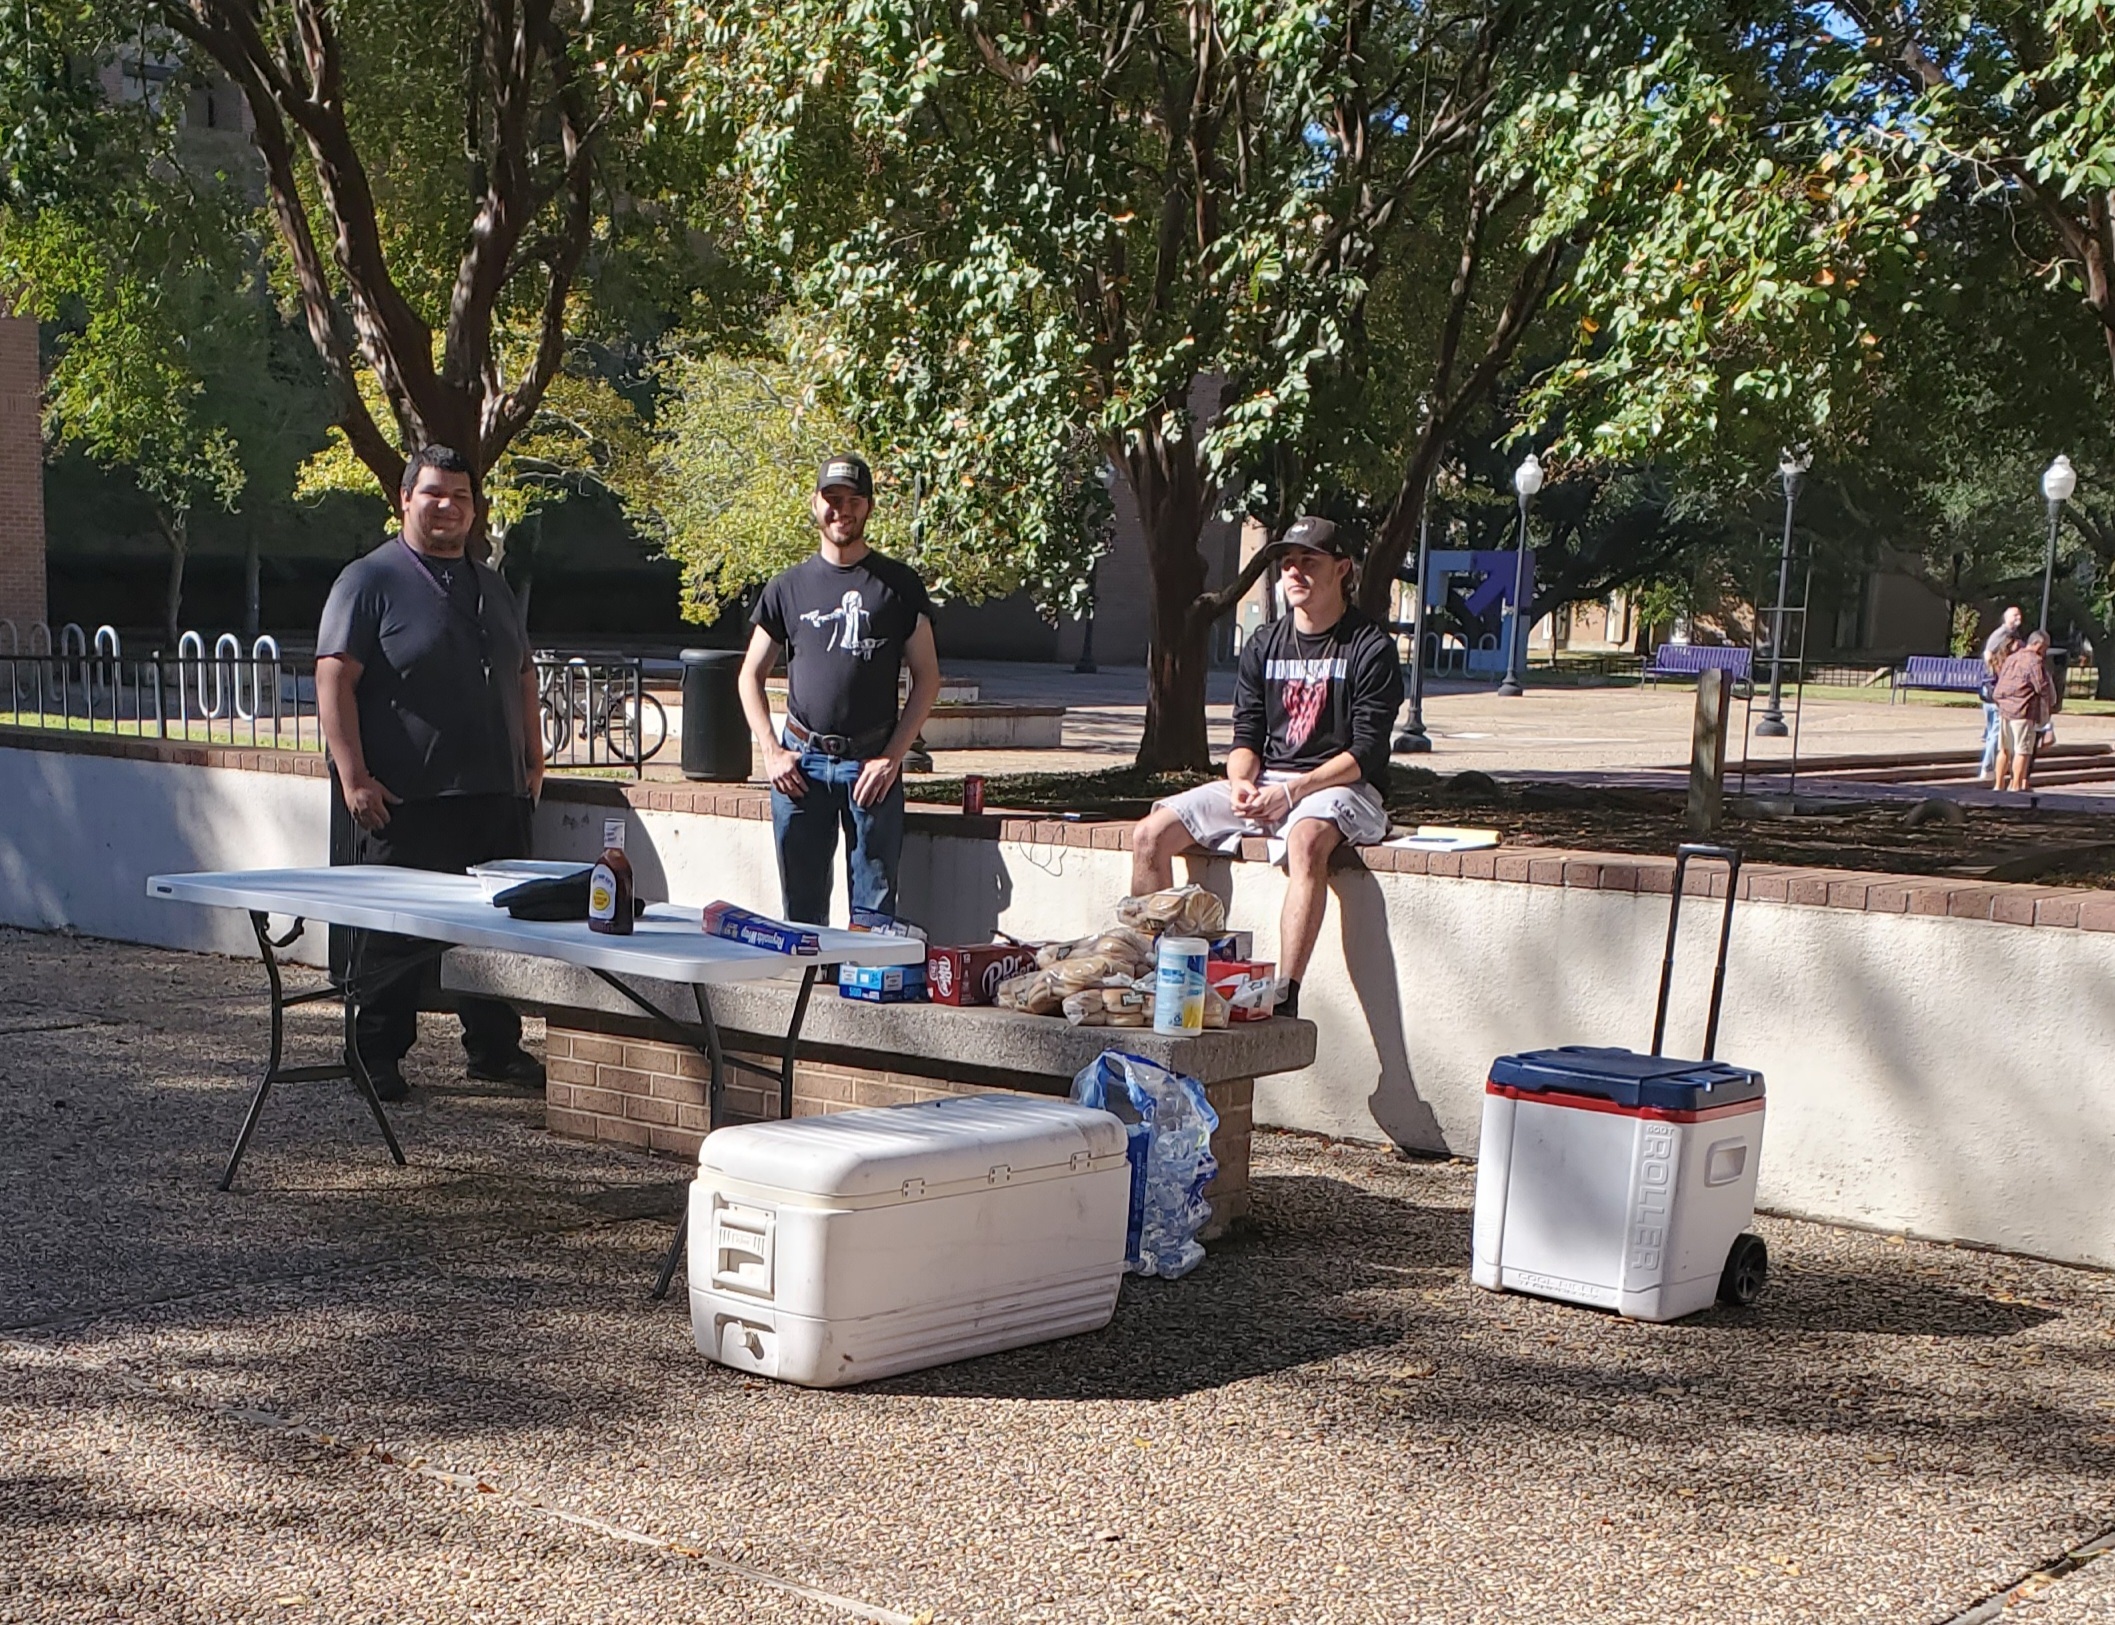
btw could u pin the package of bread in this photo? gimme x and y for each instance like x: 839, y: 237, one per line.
x: 1125, y: 943
x: 1084, y: 970
x: 1031, y: 991
x: 1085, y: 1008
x: 1182, y: 911
x: 1216, y: 1010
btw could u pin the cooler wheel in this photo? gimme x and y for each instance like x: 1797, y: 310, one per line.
x: 1747, y: 1271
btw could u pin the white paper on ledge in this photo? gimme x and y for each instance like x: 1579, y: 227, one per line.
x: 1440, y: 838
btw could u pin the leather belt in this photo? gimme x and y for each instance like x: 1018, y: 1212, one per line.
x: 844, y: 747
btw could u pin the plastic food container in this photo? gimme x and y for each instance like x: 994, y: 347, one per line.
x: 837, y: 1249
x: 497, y: 876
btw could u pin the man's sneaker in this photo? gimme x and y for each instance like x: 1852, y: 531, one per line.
x: 520, y: 1068
x: 1288, y: 1000
x: 387, y: 1078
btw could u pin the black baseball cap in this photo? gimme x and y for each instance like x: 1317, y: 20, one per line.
x: 846, y: 469
x: 1311, y: 531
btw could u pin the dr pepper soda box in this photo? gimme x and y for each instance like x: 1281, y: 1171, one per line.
x: 968, y: 975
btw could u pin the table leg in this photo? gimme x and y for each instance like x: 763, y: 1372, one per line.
x: 718, y: 1060
x: 269, y: 946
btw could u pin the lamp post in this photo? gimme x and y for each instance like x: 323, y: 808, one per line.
x: 1791, y: 468
x: 1527, y: 480
x: 1413, y: 740
x: 2059, y: 480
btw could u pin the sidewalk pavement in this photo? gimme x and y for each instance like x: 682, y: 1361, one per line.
x: 1549, y: 729
x: 351, y: 1392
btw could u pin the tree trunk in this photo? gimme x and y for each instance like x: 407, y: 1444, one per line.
x: 252, y: 588
x: 177, y: 530
x: 1169, y: 486
x: 1397, y: 536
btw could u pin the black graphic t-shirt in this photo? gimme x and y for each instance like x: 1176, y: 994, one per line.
x: 1301, y: 698
x: 843, y: 628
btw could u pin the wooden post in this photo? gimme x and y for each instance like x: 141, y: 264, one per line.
x: 1707, y: 752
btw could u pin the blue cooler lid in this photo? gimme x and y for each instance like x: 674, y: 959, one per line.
x: 1627, y: 1078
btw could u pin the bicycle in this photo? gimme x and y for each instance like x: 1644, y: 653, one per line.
x: 579, y: 707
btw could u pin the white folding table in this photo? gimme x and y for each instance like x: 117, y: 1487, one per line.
x: 665, y: 945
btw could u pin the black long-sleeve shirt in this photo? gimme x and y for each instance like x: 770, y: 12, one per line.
x: 1301, y: 698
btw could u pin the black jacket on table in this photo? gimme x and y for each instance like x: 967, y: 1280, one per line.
x: 1301, y: 698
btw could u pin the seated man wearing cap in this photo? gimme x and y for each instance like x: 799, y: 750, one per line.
x: 1315, y: 697
x: 847, y: 618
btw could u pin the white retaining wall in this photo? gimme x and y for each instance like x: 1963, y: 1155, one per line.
x: 1950, y: 1078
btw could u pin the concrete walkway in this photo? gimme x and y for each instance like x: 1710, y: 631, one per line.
x: 1549, y: 729
x: 351, y: 1392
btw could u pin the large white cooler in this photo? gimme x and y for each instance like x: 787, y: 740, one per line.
x: 837, y: 1249
x: 1621, y: 1180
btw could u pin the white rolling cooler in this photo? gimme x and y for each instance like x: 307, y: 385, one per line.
x: 837, y: 1249
x: 1622, y: 1180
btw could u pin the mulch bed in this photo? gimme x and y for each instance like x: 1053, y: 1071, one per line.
x: 2054, y: 848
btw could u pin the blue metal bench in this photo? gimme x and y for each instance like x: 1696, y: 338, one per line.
x: 1687, y: 659
x: 1949, y: 674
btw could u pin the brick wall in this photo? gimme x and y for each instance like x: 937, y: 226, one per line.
x: 21, y: 475
x: 610, y: 1082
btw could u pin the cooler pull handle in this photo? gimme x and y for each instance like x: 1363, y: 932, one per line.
x: 1682, y: 854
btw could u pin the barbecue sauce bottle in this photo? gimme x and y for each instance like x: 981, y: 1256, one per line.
x: 610, y: 885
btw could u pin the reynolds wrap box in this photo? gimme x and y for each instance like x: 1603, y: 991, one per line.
x: 968, y: 975
x: 1247, y: 985
x: 1233, y: 946
x: 759, y: 930
x: 882, y: 984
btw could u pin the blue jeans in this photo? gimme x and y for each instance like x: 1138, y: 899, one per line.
x: 1992, y: 727
x: 806, y: 831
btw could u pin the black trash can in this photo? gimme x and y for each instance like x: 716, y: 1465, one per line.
x: 715, y: 733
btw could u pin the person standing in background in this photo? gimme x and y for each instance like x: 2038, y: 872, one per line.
x: 848, y: 620
x: 427, y: 696
x: 2026, y: 700
x: 1999, y: 644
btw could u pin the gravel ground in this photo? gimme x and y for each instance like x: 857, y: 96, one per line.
x: 381, y: 1393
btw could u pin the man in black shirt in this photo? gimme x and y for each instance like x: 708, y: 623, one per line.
x: 427, y: 695
x: 1315, y: 697
x: 847, y: 619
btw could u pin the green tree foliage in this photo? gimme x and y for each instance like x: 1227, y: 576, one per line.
x: 1257, y: 255
x: 737, y: 442
x: 437, y: 179
x: 1038, y: 242
x: 168, y: 363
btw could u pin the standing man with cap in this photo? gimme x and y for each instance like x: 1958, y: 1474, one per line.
x: 1314, y: 699
x: 847, y: 619
x: 427, y: 696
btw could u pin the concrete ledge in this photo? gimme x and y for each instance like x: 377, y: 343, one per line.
x: 615, y: 1077
x: 973, y: 1043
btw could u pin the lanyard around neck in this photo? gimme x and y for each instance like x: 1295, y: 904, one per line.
x: 475, y: 622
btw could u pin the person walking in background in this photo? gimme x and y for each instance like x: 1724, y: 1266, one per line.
x: 848, y: 620
x: 427, y: 696
x: 2026, y: 700
x: 1996, y: 647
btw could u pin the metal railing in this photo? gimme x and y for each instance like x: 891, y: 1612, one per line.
x: 596, y: 712
x: 259, y: 699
